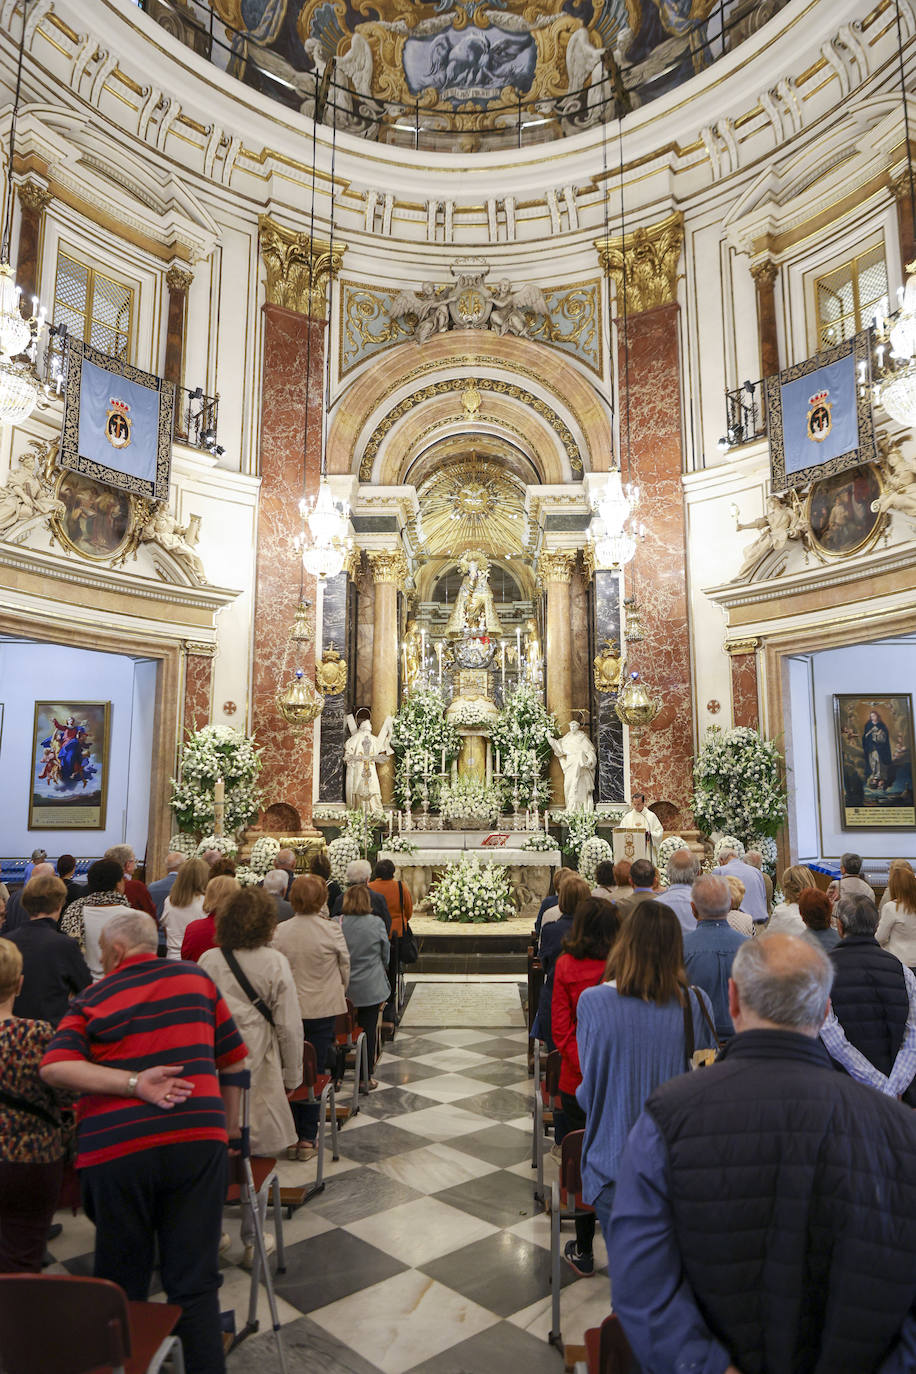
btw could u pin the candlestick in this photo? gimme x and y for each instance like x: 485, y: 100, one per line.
x: 404, y: 661
x: 439, y: 657
x: 443, y: 758
x: 498, y: 764
x: 502, y: 649
x: 390, y: 824
x: 219, y: 806
x: 400, y: 823
x: 518, y: 650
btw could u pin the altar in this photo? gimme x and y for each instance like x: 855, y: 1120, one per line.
x: 530, y: 870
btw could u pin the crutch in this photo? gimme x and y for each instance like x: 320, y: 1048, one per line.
x: 249, y: 1200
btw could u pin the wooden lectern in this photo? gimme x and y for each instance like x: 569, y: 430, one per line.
x: 631, y: 843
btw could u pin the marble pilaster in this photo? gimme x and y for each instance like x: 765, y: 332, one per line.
x: 178, y: 280
x: 745, y: 708
x: 33, y: 201
x: 765, y: 274
x: 198, y: 679
x: 389, y: 568
x: 608, y: 737
x: 333, y: 725
x: 661, y: 756
x: 287, y: 753
x: 555, y: 570
x: 905, y: 195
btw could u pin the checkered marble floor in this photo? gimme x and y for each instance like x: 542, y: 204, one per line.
x: 425, y: 1252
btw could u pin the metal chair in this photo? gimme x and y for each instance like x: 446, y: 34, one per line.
x: 547, y: 1105
x: 252, y: 1197
x: 566, y: 1203
x: 315, y: 1088
x: 60, y: 1324
x: 350, y: 1039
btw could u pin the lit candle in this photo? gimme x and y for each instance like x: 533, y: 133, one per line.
x: 390, y: 824
x: 219, y: 806
x: 400, y: 823
x: 498, y: 760
x: 443, y: 758
x: 547, y: 821
x: 518, y: 649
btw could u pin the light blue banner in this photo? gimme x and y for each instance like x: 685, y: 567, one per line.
x: 819, y: 415
x: 119, y: 423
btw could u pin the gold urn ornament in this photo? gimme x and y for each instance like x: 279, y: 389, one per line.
x: 331, y: 672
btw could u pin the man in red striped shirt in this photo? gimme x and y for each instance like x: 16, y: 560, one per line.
x: 145, y: 1047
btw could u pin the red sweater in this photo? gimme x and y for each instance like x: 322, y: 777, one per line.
x: 570, y: 979
x: 198, y: 938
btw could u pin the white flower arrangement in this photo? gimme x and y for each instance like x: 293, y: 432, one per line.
x: 468, y: 798
x: 738, y: 784
x: 664, y: 852
x: 341, y: 852
x: 263, y: 852
x: 766, y: 848
x: 593, y: 852
x: 469, y: 716
x: 521, y: 736
x: 181, y: 843
x: 727, y: 842
x: 421, y: 730
x: 399, y: 844
x: 581, y: 825
x: 540, y: 843
x: 361, y: 826
x: 223, y: 844
x: 327, y: 813
x: 217, y: 751
x: 246, y: 876
x: 472, y: 891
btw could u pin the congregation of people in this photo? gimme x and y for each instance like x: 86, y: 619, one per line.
x: 758, y: 1214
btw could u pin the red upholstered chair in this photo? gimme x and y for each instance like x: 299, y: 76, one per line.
x: 566, y: 1203
x: 318, y: 1088
x: 350, y: 1039
x: 59, y: 1324
x: 608, y: 1350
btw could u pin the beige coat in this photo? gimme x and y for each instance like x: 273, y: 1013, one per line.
x: 274, y: 1052
x: 320, y: 961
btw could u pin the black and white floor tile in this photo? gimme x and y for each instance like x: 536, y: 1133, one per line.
x: 426, y: 1251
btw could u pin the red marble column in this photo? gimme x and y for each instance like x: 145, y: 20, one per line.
x: 33, y: 201
x: 178, y: 280
x: 745, y: 710
x: 287, y: 753
x: 905, y: 195
x: 661, y: 755
x: 765, y: 274
x: 197, y: 686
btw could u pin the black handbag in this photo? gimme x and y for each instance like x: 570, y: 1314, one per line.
x: 408, y: 949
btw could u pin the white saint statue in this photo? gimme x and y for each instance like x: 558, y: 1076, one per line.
x: 578, y: 761
x: 363, y: 751
x: 641, y: 818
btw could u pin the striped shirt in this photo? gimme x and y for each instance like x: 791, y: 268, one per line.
x: 149, y: 1012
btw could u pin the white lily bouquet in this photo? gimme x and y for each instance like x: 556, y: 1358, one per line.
x: 472, y: 891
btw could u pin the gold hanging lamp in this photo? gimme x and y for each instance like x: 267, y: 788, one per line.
x: 635, y: 707
x: 298, y: 702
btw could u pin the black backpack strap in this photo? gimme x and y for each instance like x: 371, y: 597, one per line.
x: 254, y: 998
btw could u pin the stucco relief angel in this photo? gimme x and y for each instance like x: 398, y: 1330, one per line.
x: 512, y: 305
x: 163, y: 529
x: 25, y: 495
x: 428, y: 307
x: 777, y: 526
x: 585, y: 66
x: 899, y: 473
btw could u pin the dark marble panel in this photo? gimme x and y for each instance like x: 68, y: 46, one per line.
x: 609, y: 744
x: 333, y: 726
x: 359, y: 1193
x: 499, y: 1347
x: 307, y: 1346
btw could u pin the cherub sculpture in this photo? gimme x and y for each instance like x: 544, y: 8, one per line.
x: 777, y: 526
x: 511, y: 307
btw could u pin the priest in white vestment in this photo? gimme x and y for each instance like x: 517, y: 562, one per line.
x: 639, y: 817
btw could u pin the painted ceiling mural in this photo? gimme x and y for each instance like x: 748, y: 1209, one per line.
x: 452, y: 57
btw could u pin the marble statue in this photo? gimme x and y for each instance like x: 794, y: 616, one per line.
x: 578, y: 761
x: 163, y: 529
x: 25, y: 496
x: 780, y: 524
x: 899, y: 473
x: 469, y: 303
x: 363, y: 752
x: 474, y: 608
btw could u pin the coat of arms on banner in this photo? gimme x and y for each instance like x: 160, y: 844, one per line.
x: 820, y: 421
x: 118, y: 424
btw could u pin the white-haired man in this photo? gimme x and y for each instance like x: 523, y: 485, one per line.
x: 731, y: 860
x: 138, y: 894
x: 151, y: 1143
x: 360, y: 871
x: 285, y: 862
x: 680, y: 873
x: 274, y: 883
x: 764, y: 1215
x: 710, y: 949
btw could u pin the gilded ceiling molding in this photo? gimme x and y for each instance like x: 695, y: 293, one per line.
x: 649, y: 257
x: 388, y: 565
x: 298, y: 268
x: 736, y: 647
x: 556, y: 565
x: 458, y: 384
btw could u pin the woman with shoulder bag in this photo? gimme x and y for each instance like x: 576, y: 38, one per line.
x: 637, y: 1029
x: 400, y: 907
x: 258, y: 987
x: 31, y: 1130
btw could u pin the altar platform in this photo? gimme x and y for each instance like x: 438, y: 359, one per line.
x: 530, y: 870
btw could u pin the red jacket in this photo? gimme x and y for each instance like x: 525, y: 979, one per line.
x: 138, y: 897
x: 570, y: 979
x: 198, y: 938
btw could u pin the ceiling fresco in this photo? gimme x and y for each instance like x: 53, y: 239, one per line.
x: 454, y: 57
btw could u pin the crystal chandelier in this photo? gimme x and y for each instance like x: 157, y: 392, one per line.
x: 613, y: 539
x: 299, y: 701
x: 20, y: 387
x: 634, y: 706
x: 327, y: 545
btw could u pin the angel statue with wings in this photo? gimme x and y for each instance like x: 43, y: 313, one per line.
x: 513, y: 305
x: 363, y: 752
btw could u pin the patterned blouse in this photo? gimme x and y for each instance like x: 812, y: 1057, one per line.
x: 24, y: 1137
x: 71, y: 919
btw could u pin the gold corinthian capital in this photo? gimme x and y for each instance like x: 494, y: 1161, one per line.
x: 556, y: 566
x: 388, y: 565
x: 298, y: 268
x: 650, y: 257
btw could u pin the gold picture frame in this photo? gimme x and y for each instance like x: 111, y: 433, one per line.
x: 68, y: 787
x: 839, y: 514
x: 875, y: 748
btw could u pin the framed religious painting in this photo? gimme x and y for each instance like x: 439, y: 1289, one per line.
x: 92, y: 519
x: 874, y: 740
x: 841, y: 515
x: 69, y: 783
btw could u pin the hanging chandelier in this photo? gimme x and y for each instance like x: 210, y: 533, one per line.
x: 299, y: 702
x: 20, y: 386
x: 613, y: 538
x: 634, y: 706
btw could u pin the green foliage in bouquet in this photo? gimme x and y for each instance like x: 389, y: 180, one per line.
x: 217, y: 751
x: 738, y: 785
